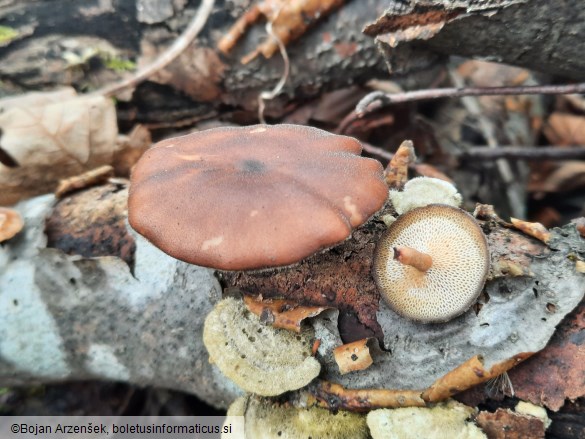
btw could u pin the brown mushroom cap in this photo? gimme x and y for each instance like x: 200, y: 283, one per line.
x: 460, y: 256
x: 253, y: 197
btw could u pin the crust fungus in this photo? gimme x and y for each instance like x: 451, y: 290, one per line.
x: 260, y: 359
x: 253, y: 197
x: 265, y: 419
x: 422, y: 191
x: 431, y: 263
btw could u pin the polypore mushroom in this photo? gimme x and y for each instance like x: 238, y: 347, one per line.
x: 253, y: 197
x: 431, y: 263
x: 258, y: 358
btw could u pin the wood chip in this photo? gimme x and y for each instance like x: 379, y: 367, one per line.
x: 10, y: 223
x: 536, y: 230
x: 87, y: 179
x: 396, y: 173
x: 353, y: 356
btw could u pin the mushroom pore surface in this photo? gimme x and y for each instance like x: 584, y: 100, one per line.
x: 460, y: 262
x: 253, y: 197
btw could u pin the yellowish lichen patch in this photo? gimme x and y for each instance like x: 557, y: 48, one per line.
x: 258, y: 358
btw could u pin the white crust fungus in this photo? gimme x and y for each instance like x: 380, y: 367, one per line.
x: 460, y: 256
x: 258, y: 358
x: 422, y: 191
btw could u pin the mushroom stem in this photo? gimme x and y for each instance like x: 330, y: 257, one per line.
x: 412, y: 257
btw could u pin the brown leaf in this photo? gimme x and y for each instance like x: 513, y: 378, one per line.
x: 505, y: 424
x: 280, y: 313
x: 565, y: 129
x: 53, y: 136
x: 556, y: 372
x: 353, y: 356
x: 10, y: 223
x: 565, y: 176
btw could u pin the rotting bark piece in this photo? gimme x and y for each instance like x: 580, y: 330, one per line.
x: 284, y: 314
x: 396, y: 173
x: 452, y: 242
x: 445, y: 420
x: 92, y: 223
x: 289, y: 21
x: 267, y: 419
x: 90, y: 178
x: 469, y: 374
x: 536, y: 230
x: 335, y: 397
x: 274, y: 195
x: 258, y: 358
x: 10, y: 223
x: 353, y: 356
x: 506, y: 424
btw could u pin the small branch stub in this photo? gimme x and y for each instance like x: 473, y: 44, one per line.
x: 414, y: 258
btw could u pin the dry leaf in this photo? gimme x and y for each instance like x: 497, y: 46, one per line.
x: 566, y: 176
x: 51, y: 138
x: 565, y: 129
x: 284, y: 314
x: 10, y: 223
x: 353, y: 356
x: 557, y: 371
x: 535, y: 230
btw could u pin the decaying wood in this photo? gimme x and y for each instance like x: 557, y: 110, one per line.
x: 87, y: 331
x: 334, y: 53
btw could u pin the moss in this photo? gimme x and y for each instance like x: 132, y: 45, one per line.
x: 7, y: 34
x: 118, y: 64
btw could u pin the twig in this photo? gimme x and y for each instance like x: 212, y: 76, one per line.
x: 170, y: 54
x: 268, y: 95
x: 525, y: 153
x: 378, y: 99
